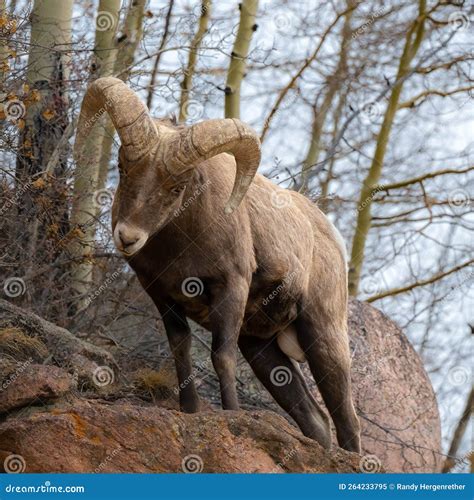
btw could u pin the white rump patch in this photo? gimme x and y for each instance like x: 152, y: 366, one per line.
x: 340, y: 241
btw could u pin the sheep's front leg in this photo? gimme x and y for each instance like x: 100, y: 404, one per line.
x: 226, y: 316
x: 179, y: 338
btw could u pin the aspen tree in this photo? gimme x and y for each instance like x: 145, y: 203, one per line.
x: 413, y: 41
x: 85, y: 206
x: 238, y: 59
x: 186, y: 84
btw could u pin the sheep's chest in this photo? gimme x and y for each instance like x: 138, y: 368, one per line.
x: 195, y: 308
x: 270, y: 307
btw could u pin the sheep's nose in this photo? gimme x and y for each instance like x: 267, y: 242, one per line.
x: 128, y: 238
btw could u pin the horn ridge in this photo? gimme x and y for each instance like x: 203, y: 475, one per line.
x: 131, y: 118
x: 207, y: 139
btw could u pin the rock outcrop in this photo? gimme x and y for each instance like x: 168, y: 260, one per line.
x: 92, y: 436
x: 30, y: 383
x: 65, y: 405
x: 393, y: 394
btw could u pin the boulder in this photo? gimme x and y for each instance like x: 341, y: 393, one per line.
x: 92, y: 436
x: 26, y: 337
x: 393, y: 395
x: 29, y: 384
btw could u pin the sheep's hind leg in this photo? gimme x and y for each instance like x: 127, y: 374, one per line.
x: 285, y: 383
x: 327, y: 351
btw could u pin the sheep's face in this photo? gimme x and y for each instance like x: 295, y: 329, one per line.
x: 147, y: 198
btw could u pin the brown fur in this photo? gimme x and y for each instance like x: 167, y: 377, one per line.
x: 290, y: 254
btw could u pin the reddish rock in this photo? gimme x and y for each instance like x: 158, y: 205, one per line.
x: 392, y: 392
x: 120, y: 437
x: 393, y: 395
x: 32, y: 384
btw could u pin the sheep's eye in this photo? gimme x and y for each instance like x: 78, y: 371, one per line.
x: 178, y: 189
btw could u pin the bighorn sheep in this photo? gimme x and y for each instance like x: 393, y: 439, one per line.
x: 271, y: 265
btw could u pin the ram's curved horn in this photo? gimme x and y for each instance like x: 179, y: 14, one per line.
x: 179, y: 151
x: 137, y: 131
x: 183, y: 150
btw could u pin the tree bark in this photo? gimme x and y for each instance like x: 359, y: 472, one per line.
x: 238, y: 60
x: 86, y: 175
x: 164, y: 38
x: 458, y: 434
x: 333, y: 85
x: 3, y: 44
x: 186, y: 84
x: 45, y: 121
x: 130, y: 39
x: 364, y: 218
x: 132, y: 34
x: 111, y: 59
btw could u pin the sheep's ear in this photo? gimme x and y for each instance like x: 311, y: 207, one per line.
x: 184, y: 149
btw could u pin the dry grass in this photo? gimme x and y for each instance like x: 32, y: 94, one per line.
x: 156, y: 385
x: 18, y: 346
